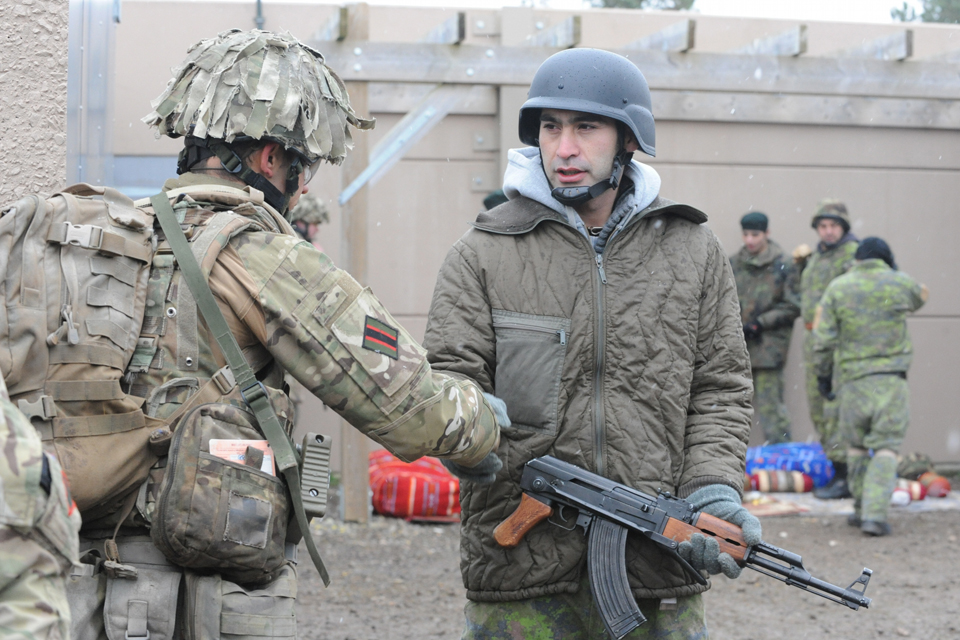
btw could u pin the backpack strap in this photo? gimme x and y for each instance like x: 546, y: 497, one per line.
x: 251, y: 389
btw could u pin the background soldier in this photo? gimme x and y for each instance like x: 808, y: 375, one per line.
x: 38, y: 533
x: 258, y: 111
x: 861, y: 341
x: 606, y: 317
x: 832, y: 257
x: 769, y: 303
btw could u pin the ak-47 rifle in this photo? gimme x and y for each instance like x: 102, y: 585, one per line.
x: 608, y: 510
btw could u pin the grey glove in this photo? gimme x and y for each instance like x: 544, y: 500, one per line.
x: 499, y: 409
x: 484, y: 473
x: 722, y: 502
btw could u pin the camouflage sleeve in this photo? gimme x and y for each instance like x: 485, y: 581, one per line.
x: 38, y: 533
x: 918, y: 294
x: 337, y: 340
x: 787, y: 306
x: 826, y: 331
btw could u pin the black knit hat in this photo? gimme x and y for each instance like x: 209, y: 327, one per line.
x: 755, y: 221
x: 875, y: 248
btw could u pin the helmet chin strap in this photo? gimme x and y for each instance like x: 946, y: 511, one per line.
x: 576, y: 196
x: 233, y: 164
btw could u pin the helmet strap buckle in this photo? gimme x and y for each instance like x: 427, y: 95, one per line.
x: 576, y: 196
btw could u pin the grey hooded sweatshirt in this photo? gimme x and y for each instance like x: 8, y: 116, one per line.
x: 624, y: 356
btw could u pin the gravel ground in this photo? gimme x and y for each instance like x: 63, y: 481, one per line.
x: 394, y: 580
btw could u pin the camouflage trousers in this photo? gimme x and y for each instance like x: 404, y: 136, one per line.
x: 33, y: 601
x: 574, y: 616
x: 823, y: 412
x: 874, y: 414
x: 769, y: 410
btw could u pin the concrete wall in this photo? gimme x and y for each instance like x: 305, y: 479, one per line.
x: 899, y: 181
x: 33, y: 97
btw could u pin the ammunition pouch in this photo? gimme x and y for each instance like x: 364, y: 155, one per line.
x: 218, y: 608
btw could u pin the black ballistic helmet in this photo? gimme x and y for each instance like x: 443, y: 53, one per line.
x: 591, y: 81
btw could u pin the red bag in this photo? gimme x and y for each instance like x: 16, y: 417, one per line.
x: 421, y: 490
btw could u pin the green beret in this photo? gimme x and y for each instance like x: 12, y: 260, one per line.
x: 755, y: 221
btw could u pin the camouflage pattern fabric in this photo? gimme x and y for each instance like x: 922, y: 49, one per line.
x: 311, y: 209
x: 769, y: 409
x: 823, y: 412
x: 294, y: 312
x: 874, y: 412
x: 861, y: 325
x: 576, y: 617
x: 38, y: 534
x: 878, y: 484
x: 913, y: 465
x: 768, y: 289
x: 825, y: 264
x: 259, y: 84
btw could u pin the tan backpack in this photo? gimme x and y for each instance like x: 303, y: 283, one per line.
x: 75, y: 269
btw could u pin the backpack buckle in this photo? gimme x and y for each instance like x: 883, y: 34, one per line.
x: 43, y: 408
x: 224, y: 380
x: 87, y: 236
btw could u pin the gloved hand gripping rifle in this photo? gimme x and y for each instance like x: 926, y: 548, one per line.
x: 607, y: 511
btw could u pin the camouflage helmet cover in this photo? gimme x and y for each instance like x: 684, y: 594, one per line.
x: 834, y: 210
x: 259, y: 85
x: 311, y: 210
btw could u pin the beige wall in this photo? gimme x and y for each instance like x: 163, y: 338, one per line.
x: 33, y: 97
x: 900, y: 182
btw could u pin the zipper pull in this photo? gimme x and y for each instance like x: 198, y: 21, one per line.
x: 563, y: 336
x: 603, y: 276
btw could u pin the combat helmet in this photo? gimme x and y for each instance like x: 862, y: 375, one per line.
x: 592, y: 81
x: 244, y: 86
x: 833, y: 210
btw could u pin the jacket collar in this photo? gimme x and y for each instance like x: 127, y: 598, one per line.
x: 521, y: 215
x: 762, y: 259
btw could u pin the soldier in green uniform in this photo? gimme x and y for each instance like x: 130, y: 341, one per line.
x: 861, y: 342
x: 38, y: 530
x: 832, y: 257
x: 769, y: 303
x: 258, y: 111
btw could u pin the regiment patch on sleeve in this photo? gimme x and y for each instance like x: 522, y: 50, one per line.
x: 380, y: 337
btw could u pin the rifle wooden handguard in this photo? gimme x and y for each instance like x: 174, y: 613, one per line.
x: 531, y: 511
x: 728, y: 535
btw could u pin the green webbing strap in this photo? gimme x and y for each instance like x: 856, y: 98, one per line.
x: 251, y: 389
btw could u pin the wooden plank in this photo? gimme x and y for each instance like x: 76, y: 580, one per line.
x: 712, y: 106
x: 792, y: 42
x: 678, y: 37
x: 563, y: 35
x: 451, y: 31
x: 335, y: 28
x: 353, y: 444
x: 472, y: 64
x: 896, y: 46
x: 402, y: 97
x: 485, y: 24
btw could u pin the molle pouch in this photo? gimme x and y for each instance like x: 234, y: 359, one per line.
x: 217, y: 608
x: 220, y: 505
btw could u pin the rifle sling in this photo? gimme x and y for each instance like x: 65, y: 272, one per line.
x: 251, y: 389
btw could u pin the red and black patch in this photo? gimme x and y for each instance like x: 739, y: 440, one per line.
x: 380, y: 337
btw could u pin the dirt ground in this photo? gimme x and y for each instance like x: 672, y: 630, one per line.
x: 394, y: 580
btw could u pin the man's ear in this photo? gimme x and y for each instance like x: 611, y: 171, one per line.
x: 630, y: 144
x: 267, y: 159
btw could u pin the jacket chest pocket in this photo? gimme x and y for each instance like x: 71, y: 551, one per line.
x: 530, y: 354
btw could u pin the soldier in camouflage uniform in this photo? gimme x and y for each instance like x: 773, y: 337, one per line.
x: 861, y: 342
x: 38, y: 530
x: 769, y: 303
x: 258, y: 111
x: 832, y: 257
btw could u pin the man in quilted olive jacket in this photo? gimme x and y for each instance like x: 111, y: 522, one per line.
x: 606, y: 317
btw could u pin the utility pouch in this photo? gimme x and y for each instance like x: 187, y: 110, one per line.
x: 86, y: 588
x: 220, y: 514
x: 217, y: 608
x: 143, y: 607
